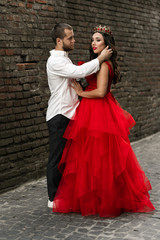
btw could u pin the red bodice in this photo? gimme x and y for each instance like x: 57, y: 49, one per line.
x: 92, y: 79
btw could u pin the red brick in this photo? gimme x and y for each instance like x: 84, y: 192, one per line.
x: 25, y: 66
x: 8, y: 82
x: 37, y: 99
x: 15, y: 81
x: 9, y: 103
x: 2, y: 52
x: 11, y: 95
x: 13, y: 88
x: 26, y: 87
x: 9, y: 52
x: 41, y: 1
x: 3, y: 30
x: 50, y: 8
x: 29, y: 5
x: 21, y: 4
x: 9, y: 17
x: 3, y: 96
x: 13, y: 3
x: 19, y: 95
x: 6, y: 112
x: 17, y: 18
x: 44, y: 7
x: 3, y: 89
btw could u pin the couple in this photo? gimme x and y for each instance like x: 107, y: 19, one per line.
x: 92, y: 168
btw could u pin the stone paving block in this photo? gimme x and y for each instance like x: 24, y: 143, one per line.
x: 82, y: 230
x: 23, y: 217
x: 102, y: 238
x: 86, y: 237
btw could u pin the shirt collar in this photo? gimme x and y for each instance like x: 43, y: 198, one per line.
x: 58, y: 53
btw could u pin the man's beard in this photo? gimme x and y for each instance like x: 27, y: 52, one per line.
x: 66, y: 48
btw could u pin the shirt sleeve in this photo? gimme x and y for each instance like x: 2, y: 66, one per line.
x: 62, y: 68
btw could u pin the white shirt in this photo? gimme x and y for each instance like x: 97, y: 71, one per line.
x: 60, y: 70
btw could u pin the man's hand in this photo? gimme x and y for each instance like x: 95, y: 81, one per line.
x: 105, y: 54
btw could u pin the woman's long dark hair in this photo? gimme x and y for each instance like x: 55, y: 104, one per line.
x: 109, y: 41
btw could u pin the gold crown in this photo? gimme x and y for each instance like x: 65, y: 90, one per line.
x: 104, y: 29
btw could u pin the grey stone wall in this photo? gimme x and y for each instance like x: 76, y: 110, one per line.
x: 24, y: 48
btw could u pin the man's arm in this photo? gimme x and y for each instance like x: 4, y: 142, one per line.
x: 66, y: 69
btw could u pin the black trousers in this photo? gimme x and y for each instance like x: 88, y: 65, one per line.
x: 56, y: 127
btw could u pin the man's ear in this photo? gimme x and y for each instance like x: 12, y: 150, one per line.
x: 58, y: 41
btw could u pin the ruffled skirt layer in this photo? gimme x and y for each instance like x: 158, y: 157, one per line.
x: 101, y: 174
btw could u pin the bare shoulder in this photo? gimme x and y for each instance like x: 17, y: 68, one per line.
x: 104, y: 68
x: 103, y: 72
x: 111, y: 64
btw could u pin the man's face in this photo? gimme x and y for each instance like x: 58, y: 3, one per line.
x: 68, y: 41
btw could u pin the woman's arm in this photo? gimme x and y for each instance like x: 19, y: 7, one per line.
x: 102, y: 84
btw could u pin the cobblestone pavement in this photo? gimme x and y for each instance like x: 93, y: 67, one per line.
x: 24, y: 212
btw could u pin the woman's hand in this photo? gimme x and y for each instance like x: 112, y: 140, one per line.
x: 77, y: 87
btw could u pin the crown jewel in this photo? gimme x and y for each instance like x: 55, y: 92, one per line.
x: 104, y: 29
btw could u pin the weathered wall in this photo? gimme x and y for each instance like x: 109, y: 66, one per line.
x: 24, y: 48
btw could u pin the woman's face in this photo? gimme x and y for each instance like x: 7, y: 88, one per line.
x: 97, y: 43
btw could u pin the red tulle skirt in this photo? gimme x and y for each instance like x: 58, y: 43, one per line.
x: 101, y: 174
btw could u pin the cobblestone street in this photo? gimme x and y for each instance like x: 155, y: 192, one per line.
x: 24, y: 213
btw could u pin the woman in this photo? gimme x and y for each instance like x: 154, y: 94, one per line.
x: 101, y: 175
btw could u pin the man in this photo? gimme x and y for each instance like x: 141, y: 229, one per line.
x: 63, y: 100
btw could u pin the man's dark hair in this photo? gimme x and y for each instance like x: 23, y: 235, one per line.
x: 58, y: 31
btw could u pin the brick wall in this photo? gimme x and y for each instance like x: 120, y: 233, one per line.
x: 24, y: 48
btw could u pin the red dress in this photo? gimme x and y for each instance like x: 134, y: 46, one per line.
x: 101, y: 174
